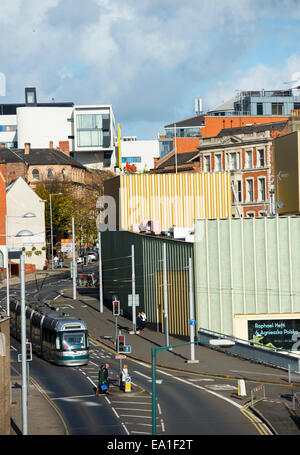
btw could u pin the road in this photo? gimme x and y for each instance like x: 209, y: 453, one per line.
x: 184, y: 405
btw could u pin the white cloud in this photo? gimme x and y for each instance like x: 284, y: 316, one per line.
x: 148, y: 59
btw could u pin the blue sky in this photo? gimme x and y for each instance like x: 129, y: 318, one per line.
x: 149, y: 59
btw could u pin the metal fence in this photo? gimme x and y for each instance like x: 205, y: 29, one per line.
x: 255, y: 351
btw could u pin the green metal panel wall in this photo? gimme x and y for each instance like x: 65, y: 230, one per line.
x: 246, y: 266
x: 116, y: 257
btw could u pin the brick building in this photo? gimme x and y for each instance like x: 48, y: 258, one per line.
x: 246, y: 152
x: 44, y: 165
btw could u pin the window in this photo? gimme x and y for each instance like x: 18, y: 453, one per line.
x: 239, y: 190
x: 131, y: 159
x: 296, y: 105
x: 248, y: 159
x: 64, y: 174
x: 262, y: 189
x: 249, y: 190
x: 277, y: 108
x: 90, y: 129
x: 50, y: 174
x: 35, y: 174
x: 250, y: 214
x: 259, y: 109
x: 233, y: 161
x: 207, y: 163
x: 261, y: 158
x: 218, y: 163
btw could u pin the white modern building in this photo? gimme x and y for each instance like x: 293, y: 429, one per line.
x: 89, y: 131
x: 141, y: 154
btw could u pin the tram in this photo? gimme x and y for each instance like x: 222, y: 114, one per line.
x: 55, y: 336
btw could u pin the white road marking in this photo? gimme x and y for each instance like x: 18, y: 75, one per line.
x: 158, y: 381
x: 115, y: 412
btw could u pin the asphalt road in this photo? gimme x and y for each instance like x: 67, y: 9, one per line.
x: 184, y: 406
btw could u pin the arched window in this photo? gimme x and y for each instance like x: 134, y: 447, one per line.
x: 50, y: 173
x: 36, y: 174
x: 1, y: 260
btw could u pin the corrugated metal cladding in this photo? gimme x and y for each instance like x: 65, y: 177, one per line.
x: 246, y: 266
x: 174, y: 199
x: 117, y: 276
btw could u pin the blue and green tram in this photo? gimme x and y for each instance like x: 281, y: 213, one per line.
x: 55, y: 336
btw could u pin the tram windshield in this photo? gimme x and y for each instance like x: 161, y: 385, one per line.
x: 73, y: 341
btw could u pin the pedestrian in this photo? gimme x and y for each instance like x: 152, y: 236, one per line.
x: 55, y: 261
x: 101, y: 381
x: 143, y: 317
x: 139, y: 321
x: 124, y: 375
x: 61, y: 261
x: 89, y: 280
x: 106, y: 375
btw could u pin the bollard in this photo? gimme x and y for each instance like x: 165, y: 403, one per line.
x: 241, y: 388
x: 128, y: 384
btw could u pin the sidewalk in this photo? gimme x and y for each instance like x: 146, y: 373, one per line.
x: 275, y: 409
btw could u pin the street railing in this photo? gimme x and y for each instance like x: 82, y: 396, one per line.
x: 256, y: 351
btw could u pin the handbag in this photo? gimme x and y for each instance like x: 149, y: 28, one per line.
x: 104, y: 387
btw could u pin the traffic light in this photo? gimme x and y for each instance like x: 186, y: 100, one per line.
x: 28, y: 351
x: 116, y: 307
x: 121, y: 343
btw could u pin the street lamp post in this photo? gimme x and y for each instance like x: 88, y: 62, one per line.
x: 23, y: 233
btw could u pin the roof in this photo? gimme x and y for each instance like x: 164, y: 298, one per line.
x: 182, y: 158
x: 198, y: 120
x: 276, y: 126
x: 38, y: 157
x: 226, y: 106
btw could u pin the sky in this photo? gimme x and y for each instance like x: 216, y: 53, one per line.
x: 149, y: 59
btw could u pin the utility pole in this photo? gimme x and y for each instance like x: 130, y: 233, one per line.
x: 192, y: 318
x: 7, y: 269
x: 100, y: 274
x: 166, y: 321
x: 133, y: 290
x: 74, y: 260
x: 23, y: 348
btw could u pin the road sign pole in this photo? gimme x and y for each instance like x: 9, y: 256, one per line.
x: 74, y: 260
x: 153, y: 391
x: 166, y: 320
x: 192, y: 320
x: 133, y: 290
x: 23, y: 349
x: 100, y: 273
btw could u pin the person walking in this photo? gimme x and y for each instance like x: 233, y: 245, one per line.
x: 139, y: 322
x: 55, y: 261
x: 102, y: 380
x: 124, y: 375
x: 61, y: 261
x: 143, y: 318
x: 106, y: 375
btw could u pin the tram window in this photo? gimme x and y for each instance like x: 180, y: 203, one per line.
x: 57, y: 343
x: 74, y: 341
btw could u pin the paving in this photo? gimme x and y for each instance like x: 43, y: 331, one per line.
x: 274, y: 406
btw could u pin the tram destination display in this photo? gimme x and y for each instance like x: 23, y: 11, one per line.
x: 278, y: 333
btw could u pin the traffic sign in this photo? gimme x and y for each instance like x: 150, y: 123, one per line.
x: 137, y: 300
x: 192, y: 321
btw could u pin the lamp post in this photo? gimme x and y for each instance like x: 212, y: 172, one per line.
x: 23, y: 233
x: 51, y: 229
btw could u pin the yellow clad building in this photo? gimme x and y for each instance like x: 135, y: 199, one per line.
x: 172, y: 199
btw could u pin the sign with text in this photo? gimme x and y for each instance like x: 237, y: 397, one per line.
x: 278, y: 333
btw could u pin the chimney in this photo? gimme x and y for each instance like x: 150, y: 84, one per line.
x: 3, y: 145
x: 51, y: 145
x: 27, y: 148
x: 64, y: 147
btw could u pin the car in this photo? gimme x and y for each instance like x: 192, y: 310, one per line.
x: 92, y: 256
